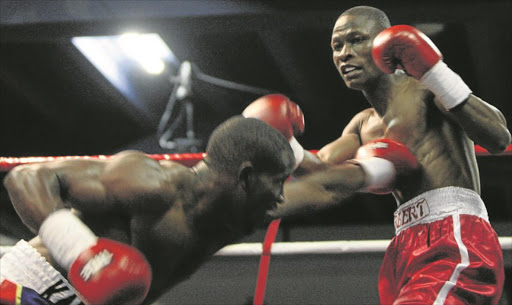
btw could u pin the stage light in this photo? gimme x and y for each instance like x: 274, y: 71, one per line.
x: 149, y: 50
x: 127, y: 59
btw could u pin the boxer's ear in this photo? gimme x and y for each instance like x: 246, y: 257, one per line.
x: 245, y: 173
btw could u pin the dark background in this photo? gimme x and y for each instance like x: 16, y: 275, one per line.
x: 55, y: 102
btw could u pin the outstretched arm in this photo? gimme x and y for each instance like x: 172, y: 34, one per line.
x: 320, y: 190
x: 375, y: 169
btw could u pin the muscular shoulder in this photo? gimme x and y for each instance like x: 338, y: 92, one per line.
x: 130, y: 164
x: 365, y: 114
x: 135, y: 160
x: 136, y: 179
x: 131, y: 156
x: 356, y: 123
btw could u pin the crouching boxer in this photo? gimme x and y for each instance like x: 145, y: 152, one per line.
x: 130, y: 225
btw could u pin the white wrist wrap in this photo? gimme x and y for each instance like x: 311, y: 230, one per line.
x: 66, y: 236
x: 23, y: 265
x: 298, y: 151
x: 447, y: 85
x: 380, y: 173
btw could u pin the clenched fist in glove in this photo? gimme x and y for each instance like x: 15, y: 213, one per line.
x: 102, y: 271
x: 383, y: 161
x: 405, y: 47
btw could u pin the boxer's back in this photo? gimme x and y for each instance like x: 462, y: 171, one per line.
x: 164, y: 209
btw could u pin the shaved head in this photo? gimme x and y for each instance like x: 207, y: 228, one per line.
x: 379, y: 17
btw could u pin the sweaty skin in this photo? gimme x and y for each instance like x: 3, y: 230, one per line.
x: 403, y: 110
x: 406, y: 111
x: 176, y: 216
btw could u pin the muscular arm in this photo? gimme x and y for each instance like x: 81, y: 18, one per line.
x: 320, y: 190
x: 340, y: 150
x: 336, y: 152
x: 311, y: 163
x: 483, y: 123
x: 345, y: 147
x: 403, y: 46
x: 36, y: 190
x: 324, y: 180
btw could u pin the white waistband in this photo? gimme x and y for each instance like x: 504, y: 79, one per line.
x: 23, y: 265
x: 438, y: 204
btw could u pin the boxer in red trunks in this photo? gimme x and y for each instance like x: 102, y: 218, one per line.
x: 445, y: 251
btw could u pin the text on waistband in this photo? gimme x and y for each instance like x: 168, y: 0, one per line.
x: 411, y: 213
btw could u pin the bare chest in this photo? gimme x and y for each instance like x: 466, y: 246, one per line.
x: 405, y: 119
x: 435, y: 142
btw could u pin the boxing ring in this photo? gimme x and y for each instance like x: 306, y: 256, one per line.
x: 266, y: 249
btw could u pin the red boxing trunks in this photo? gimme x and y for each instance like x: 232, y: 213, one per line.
x: 444, y: 252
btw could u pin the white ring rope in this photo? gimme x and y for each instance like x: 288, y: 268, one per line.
x: 306, y: 247
x: 310, y: 247
x: 322, y: 247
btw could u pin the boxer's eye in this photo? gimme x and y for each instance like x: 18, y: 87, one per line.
x: 357, y: 39
x: 337, y: 46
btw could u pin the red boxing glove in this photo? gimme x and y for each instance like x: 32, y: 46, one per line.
x: 284, y: 115
x: 404, y: 47
x: 279, y: 112
x: 383, y: 161
x: 101, y: 270
x: 111, y: 273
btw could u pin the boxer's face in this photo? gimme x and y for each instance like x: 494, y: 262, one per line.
x: 269, y: 189
x: 264, y: 191
x: 351, y: 44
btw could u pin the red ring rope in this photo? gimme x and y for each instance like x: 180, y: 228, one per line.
x: 8, y: 163
x: 188, y: 159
